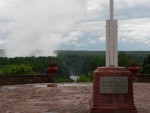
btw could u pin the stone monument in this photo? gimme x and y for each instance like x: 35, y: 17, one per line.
x: 112, y: 85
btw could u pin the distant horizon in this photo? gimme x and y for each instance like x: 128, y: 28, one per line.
x: 100, y: 50
x: 86, y: 50
x: 56, y: 52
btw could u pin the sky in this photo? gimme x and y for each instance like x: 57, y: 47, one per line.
x: 39, y: 27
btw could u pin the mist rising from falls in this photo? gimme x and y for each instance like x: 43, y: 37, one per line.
x: 37, y: 27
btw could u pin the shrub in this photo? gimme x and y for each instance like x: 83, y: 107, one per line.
x: 86, y: 78
x: 16, y: 69
x: 62, y: 80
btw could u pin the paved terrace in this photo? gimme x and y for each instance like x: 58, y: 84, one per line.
x: 65, y: 98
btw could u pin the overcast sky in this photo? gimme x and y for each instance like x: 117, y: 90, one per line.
x: 48, y: 25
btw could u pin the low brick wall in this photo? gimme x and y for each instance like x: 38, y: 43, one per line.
x: 24, y: 79
x: 142, y: 78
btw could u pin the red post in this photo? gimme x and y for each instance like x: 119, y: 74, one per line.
x: 52, y: 69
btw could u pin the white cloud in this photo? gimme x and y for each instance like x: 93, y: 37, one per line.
x: 2, y: 4
x: 95, y: 26
x: 125, y: 3
x: 102, y: 39
x: 92, y: 41
x: 2, y: 42
x: 81, y: 46
x: 97, y: 40
x: 135, y: 30
x: 72, y: 36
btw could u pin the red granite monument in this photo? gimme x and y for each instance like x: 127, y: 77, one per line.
x: 112, y: 91
x: 112, y: 85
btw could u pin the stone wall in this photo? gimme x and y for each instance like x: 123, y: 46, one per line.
x: 145, y: 78
x: 25, y: 79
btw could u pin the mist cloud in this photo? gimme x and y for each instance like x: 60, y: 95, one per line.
x: 37, y: 27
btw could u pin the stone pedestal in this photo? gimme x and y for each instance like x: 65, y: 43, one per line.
x: 112, y: 91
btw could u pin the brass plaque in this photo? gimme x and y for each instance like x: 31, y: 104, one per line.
x: 113, y: 85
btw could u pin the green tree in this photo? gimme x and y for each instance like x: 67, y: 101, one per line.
x: 124, y: 59
x: 86, y: 78
x: 146, y: 66
x: 98, y: 61
x: 37, y: 64
x: 61, y: 80
x: 16, y: 69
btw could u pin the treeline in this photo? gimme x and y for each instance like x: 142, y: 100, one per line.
x: 72, y: 62
x: 38, y: 65
x: 83, y: 62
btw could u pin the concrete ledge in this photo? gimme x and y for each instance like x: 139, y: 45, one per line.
x: 65, y: 98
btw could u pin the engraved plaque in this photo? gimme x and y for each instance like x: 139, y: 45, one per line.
x: 113, y: 85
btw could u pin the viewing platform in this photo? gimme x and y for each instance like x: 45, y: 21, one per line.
x: 63, y: 98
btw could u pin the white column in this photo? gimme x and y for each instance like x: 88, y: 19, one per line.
x: 115, y: 28
x: 111, y: 39
x: 111, y: 9
x: 107, y: 43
